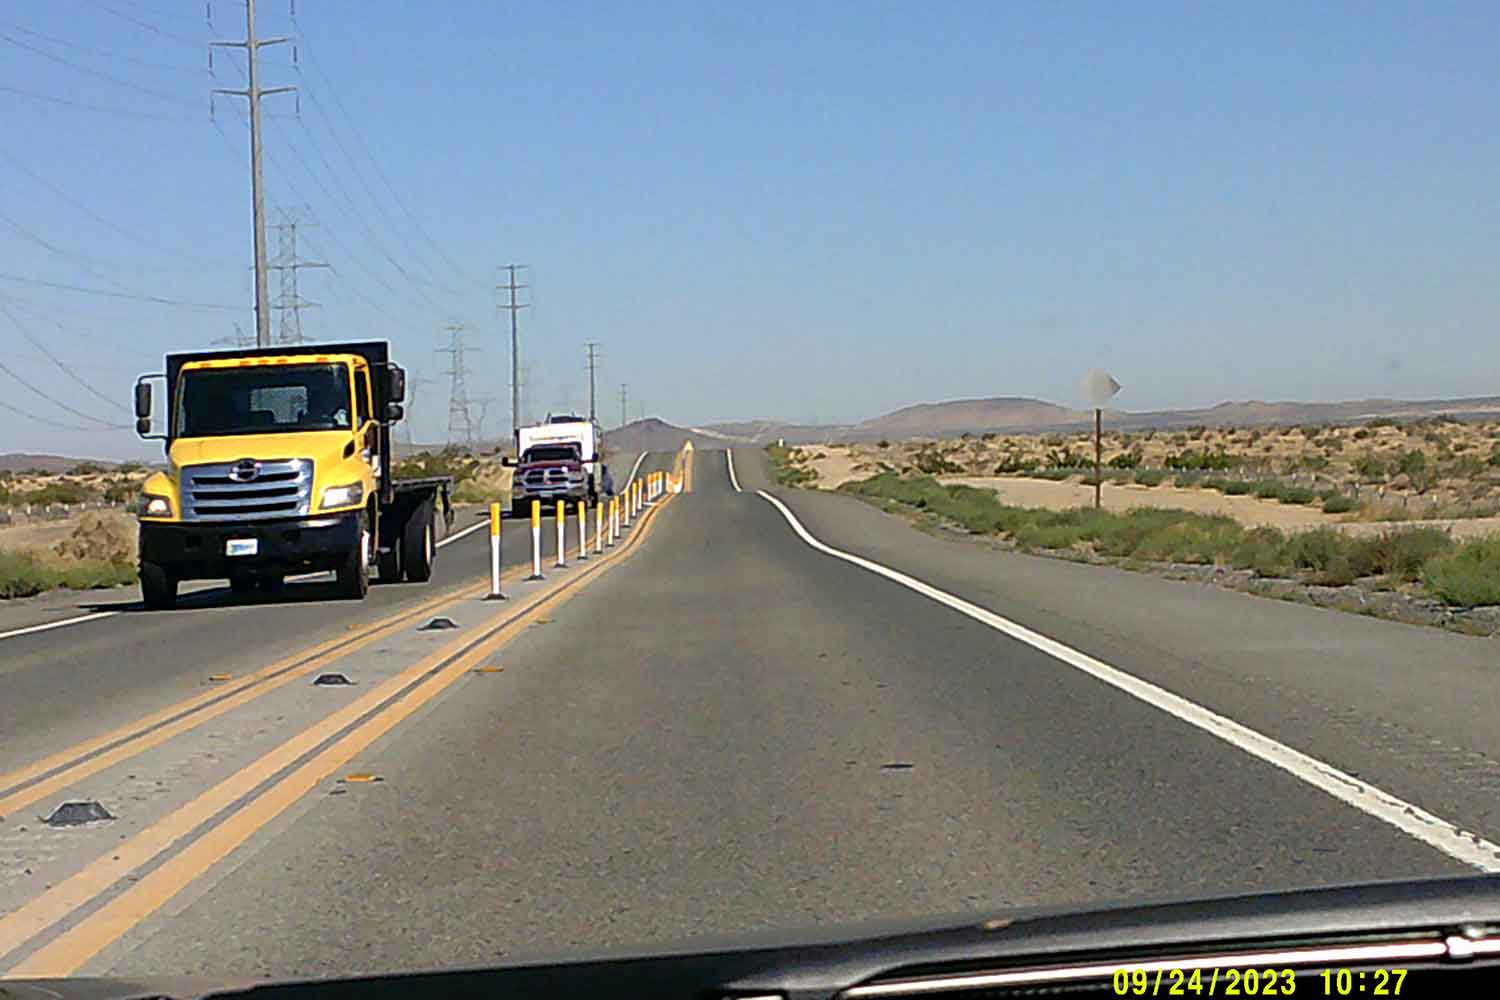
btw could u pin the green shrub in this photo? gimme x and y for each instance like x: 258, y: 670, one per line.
x: 1381, y: 422
x: 1150, y: 477
x: 1296, y: 494
x: 1013, y: 463
x: 1268, y: 489
x: 1325, y: 555
x: 1468, y: 577
x: 1263, y: 550
x: 1125, y: 460
x: 59, y: 492
x: 1238, y: 487
x: 1054, y: 474
x: 94, y: 574
x: 933, y: 463
x: 1338, y: 504
x: 1402, y: 554
x: 22, y: 574
x: 1361, y: 434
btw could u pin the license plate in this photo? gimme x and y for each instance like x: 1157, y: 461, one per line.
x: 241, y: 546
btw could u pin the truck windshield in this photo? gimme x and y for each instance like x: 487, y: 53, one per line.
x: 551, y: 453
x: 219, y: 401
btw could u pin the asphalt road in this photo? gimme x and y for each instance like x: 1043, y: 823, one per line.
x: 63, y: 685
x: 727, y: 730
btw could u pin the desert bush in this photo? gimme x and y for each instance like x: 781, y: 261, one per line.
x: 1295, y: 494
x: 1467, y: 577
x: 1338, y: 504
x: 1149, y: 477
x: 1264, y: 551
x: 100, y: 537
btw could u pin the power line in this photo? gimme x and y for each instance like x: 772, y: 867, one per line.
x: 379, y: 172
x: 43, y: 420
x: 144, y: 25
x: 96, y: 108
x: 41, y: 346
x: 90, y: 71
x: 100, y: 52
x: 159, y: 300
x: 64, y: 196
x: 54, y: 400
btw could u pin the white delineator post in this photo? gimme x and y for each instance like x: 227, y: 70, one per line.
x: 562, y: 525
x: 614, y: 519
x: 629, y: 501
x: 536, y: 540
x: 494, y: 594
x: 599, y: 527
x: 583, y: 530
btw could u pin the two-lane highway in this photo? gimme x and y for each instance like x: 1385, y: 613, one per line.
x: 735, y: 731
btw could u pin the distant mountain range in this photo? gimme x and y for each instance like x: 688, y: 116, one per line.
x: 1023, y: 415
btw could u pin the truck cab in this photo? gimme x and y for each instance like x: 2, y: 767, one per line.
x: 279, y: 462
x: 558, y: 459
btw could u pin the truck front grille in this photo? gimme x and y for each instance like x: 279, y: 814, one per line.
x: 247, y: 490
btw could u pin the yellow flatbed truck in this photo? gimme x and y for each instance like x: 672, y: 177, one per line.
x: 279, y: 463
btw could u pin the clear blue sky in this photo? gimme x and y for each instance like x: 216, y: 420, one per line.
x: 804, y: 211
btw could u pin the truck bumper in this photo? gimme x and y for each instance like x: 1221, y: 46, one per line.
x: 193, y: 551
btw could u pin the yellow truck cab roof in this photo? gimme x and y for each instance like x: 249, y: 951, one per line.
x: 269, y: 360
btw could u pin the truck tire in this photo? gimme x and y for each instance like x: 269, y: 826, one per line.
x: 242, y: 585
x: 158, y: 587
x: 271, y: 583
x: 354, y: 571
x: 389, y: 563
x: 417, y: 545
x: 520, y: 509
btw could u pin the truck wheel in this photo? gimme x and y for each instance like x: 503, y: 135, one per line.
x: 242, y: 585
x: 158, y: 587
x: 272, y: 583
x: 389, y: 563
x: 354, y: 571
x: 520, y: 509
x: 417, y: 546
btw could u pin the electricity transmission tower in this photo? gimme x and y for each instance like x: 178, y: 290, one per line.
x: 459, y: 419
x: 514, y: 307
x: 592, y: 347
x: 253, y: 93
x: 289, y: 304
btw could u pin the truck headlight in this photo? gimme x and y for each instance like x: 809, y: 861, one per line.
x: 156, y: 506
x: 343, y: 496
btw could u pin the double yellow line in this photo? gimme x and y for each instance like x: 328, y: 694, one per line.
x: 406, y: 692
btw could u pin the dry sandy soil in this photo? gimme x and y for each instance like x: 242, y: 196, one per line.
x: 1058, y: 496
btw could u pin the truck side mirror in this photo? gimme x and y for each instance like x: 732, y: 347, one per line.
x: 396, y: 384
x: 394, y: 412
x: 508, y: 461
x: 143, y: 404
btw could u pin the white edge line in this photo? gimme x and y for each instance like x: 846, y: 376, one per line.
x: 636, y: 467
x: 1461, y: 845
x: 95, y: 616
x: 729, y: 456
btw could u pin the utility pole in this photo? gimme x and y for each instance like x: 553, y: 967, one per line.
x: 253, y: 93
x: 515, y: 345
x: 592, y: 346
x: 289, y: 304
x: 458, y: 394
x: 624, y: 395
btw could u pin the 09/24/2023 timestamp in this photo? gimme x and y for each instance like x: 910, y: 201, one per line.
x: 1257, y: 982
